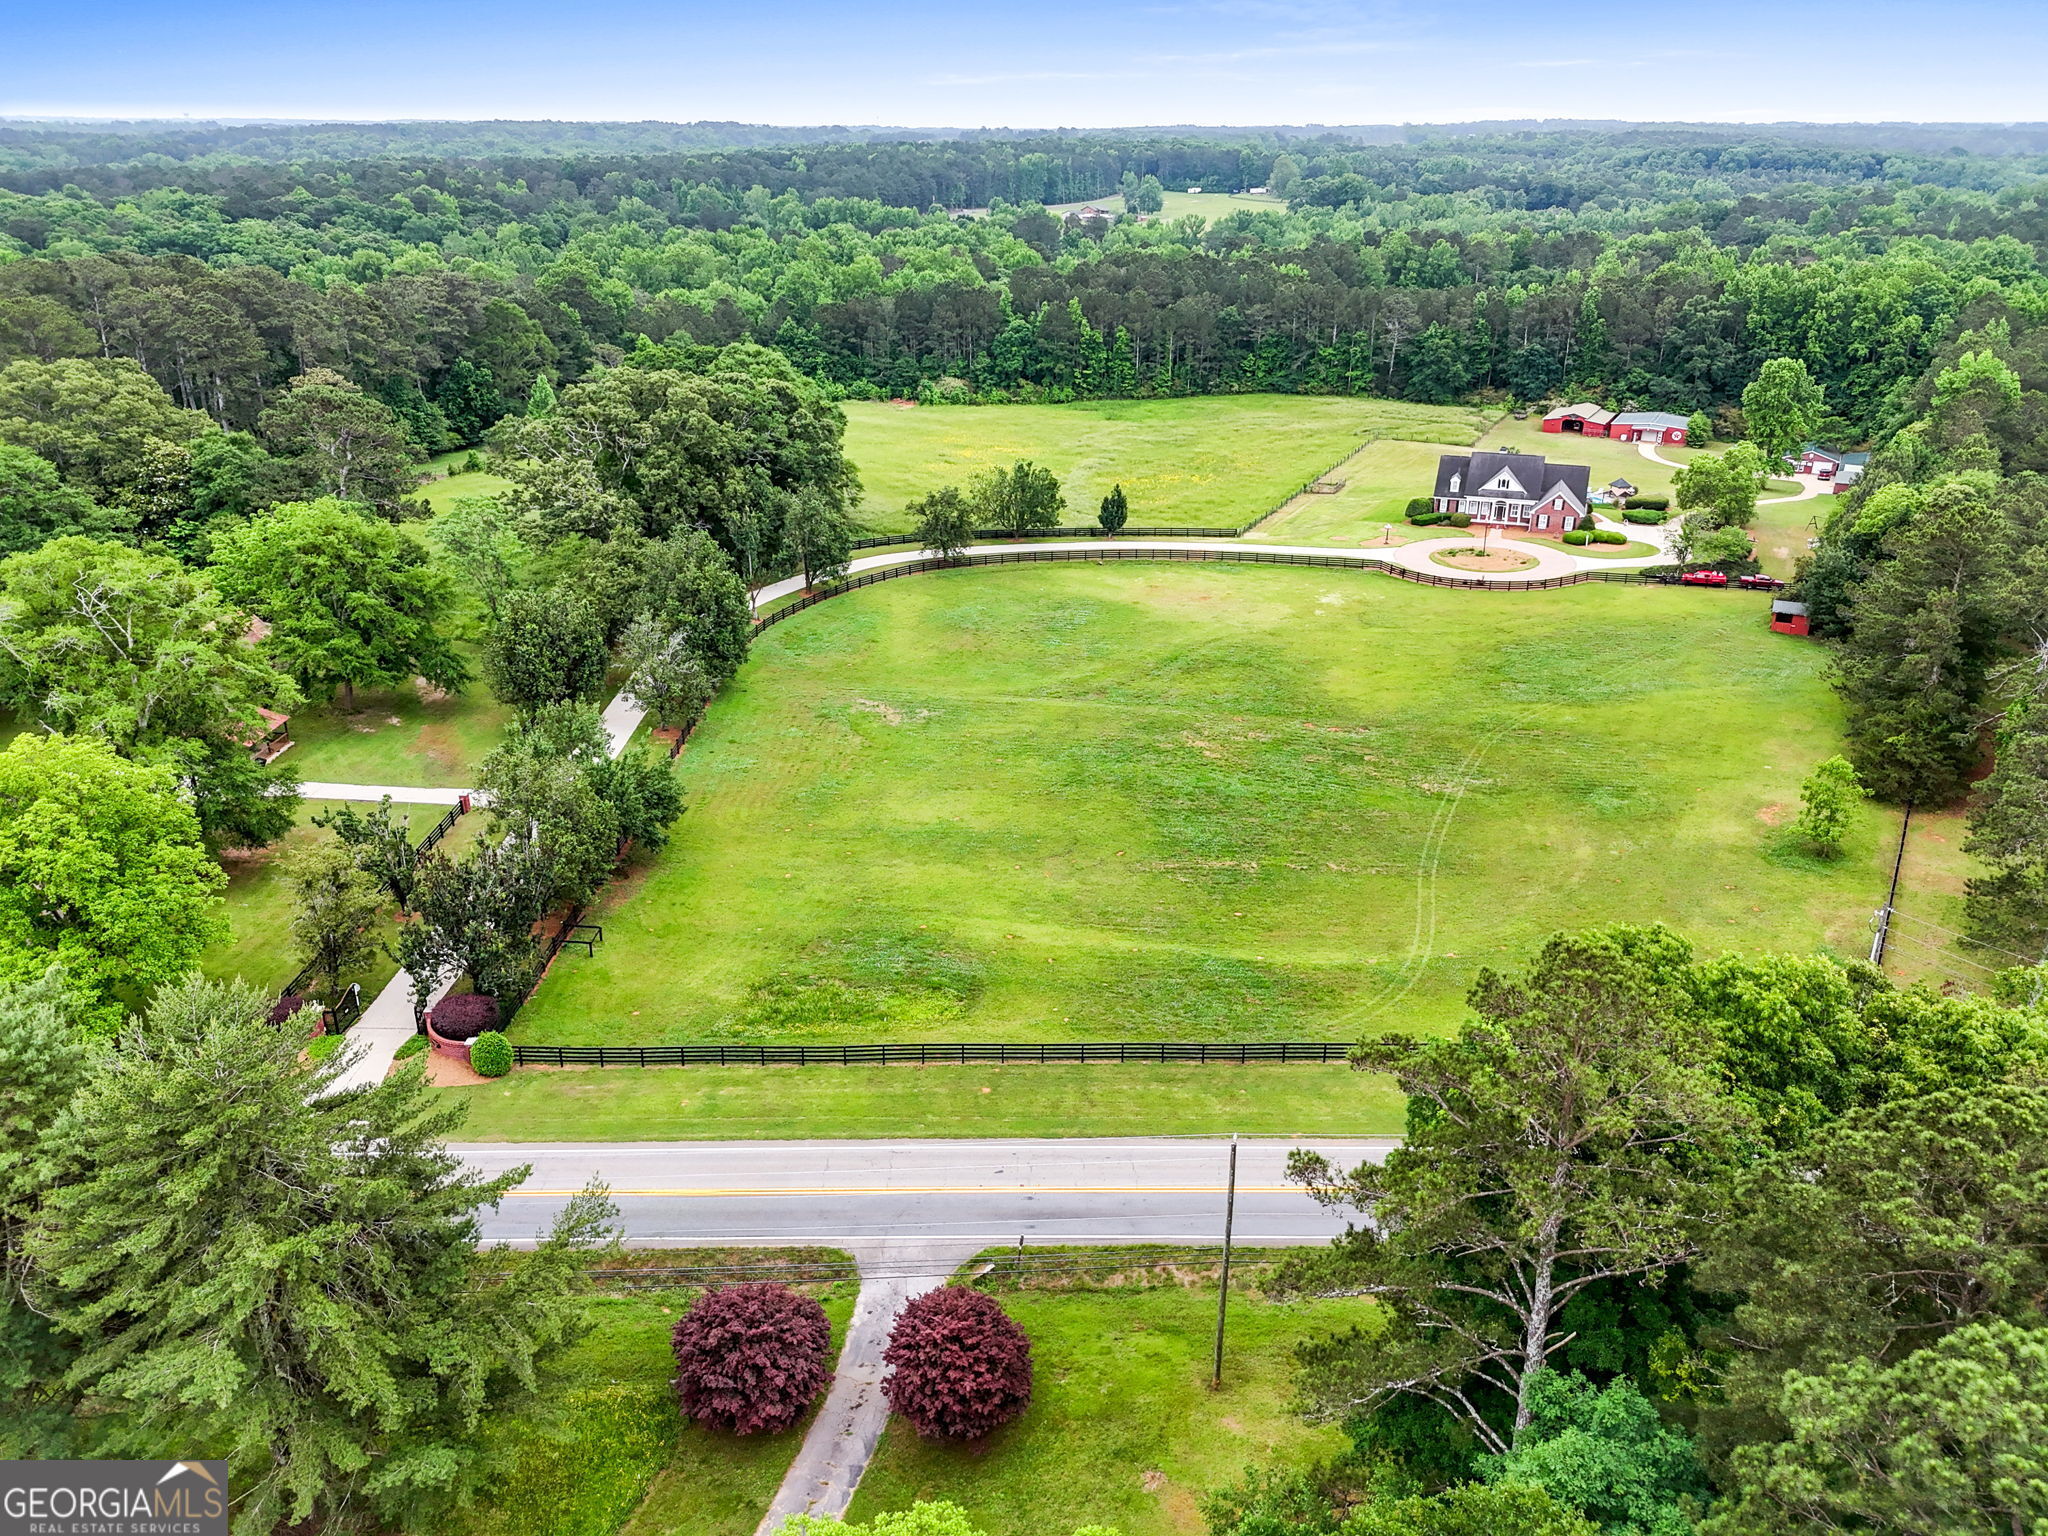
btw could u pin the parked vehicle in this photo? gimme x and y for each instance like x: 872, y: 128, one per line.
x: 1704, y: 579
x: 1760, y: 583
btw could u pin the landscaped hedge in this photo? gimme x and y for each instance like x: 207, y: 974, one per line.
x: 1608, y: 536
x: 1425, y: 517
x: 1647, y: 504
x: 1458, y: 519
x: 464, y: 1015
x: 751, y: 1358
x: 1642, y: 518
x: 959, y: 1368
x: 490, y: 1054
x: 1419, y: 504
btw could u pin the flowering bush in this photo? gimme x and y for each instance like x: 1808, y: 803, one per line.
x: 751, y: 1358
x: 464, y: 1015
x: 960, y: 1369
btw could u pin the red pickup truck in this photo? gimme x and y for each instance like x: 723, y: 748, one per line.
x: 1704, y: 579
x: 1760, y: 583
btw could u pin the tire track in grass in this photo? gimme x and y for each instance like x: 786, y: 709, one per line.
x: 1422, y: 941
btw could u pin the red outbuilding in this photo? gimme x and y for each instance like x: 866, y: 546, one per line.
x: 1589, y: 420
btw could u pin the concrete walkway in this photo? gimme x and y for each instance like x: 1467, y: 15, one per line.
x: 842, y: 1438
x: 403, y: 794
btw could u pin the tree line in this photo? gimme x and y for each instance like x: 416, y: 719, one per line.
x: 1739, y: 1245
x: 1651, y: 272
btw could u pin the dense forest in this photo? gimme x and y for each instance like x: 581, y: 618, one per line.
x: 1652, y: 268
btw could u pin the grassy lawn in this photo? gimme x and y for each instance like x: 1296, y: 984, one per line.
x: 605, y: 1450
x: 1210, y: 205
x: 1208, y: 802
x: 1782, y: 530
x: 1379, y: 481
x: 1123, y: 1429
x: 259, y: 905
x: 682, y: 1103
x: 1216, y: 461
x: 1634, y: 549
x: 399, y: 736
x: 448, y: 484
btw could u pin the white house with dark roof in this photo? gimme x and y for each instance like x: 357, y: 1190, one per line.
x: 1521, y: 492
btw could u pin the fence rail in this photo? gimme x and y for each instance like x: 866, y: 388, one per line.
x: 1241, y: 556
x: 1236, y: 1053
x: 441, y: 829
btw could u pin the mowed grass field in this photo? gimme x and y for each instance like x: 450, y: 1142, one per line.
x: 1379, y: 482
x: 1213, y: 802
x: 1217, y: 461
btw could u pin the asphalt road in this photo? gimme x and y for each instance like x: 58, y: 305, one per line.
x: 861, y: 1194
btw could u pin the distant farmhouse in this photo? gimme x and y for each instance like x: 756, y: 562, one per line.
x: 1844, y: 469
x: 1523, y: 492
x: 1624, y: 426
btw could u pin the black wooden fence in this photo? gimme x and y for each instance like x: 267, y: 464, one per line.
x: 1236, y: 1053
x: 1242, y: 556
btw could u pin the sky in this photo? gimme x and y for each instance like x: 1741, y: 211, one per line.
x: 1053, y: 63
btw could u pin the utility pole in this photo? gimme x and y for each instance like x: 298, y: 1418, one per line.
x: 1223, y: 1291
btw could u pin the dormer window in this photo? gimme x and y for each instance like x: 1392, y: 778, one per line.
x: 1455, y: 480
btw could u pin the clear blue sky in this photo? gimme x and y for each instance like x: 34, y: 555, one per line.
x: 1054, y: 63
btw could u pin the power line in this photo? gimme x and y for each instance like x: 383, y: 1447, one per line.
x: 1963, y: 938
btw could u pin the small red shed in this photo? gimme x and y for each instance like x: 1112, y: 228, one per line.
x: 1788, y: 618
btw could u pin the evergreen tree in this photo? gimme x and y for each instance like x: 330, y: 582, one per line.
x: 1913, y: 671
x: 252, y: 1262
x: 1116, y: 510
x: 540, y: 401
x: 43, y: 1062
x: 2007, y: 907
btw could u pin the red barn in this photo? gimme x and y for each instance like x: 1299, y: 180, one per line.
x: 1589, y: 420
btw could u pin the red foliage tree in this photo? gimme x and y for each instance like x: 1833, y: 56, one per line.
x: 960, y: 1369
x: 751, y: 1358
x: 464, y: 1015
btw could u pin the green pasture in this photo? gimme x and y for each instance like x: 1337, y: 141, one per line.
x: 259, y: 905
x: 1141, y: 801
x: 1215, y: 461
x: 1123, y: 1428
x: 1782, y: 529
x: 443, y: 481
x: 1210, y: 205
x: 1379, y: 482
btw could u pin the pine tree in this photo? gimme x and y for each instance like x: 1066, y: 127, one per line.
x: 2007, y: 907
x: 288, y: 1275
x: 1116, y: 510
x: 540, y: 401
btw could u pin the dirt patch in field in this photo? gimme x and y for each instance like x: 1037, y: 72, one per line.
x: 1771, y: 815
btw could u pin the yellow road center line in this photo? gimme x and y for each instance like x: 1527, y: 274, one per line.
x: 928, y: 1189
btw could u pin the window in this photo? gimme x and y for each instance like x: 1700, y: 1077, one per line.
x: 1543, y: 521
